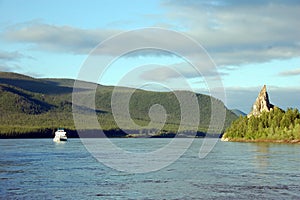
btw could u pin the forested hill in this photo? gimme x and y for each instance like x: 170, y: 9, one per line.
x: 31, y: 107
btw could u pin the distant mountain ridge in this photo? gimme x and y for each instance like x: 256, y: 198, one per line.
x: 37, y: 105
x: 238, y: 112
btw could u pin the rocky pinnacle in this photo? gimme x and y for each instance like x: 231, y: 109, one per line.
x: 261, y: 103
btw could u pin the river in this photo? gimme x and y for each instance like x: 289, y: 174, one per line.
x: 42, y: 169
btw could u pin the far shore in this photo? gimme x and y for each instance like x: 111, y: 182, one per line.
x: 113, y: 133
x: 265, y: 141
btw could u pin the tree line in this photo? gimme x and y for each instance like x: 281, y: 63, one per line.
x: 274, y: 125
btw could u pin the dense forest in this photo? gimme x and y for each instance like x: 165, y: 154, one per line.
x: 31, y: 107
x: 276, y: 125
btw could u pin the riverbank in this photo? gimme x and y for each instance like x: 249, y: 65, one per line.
x: 112, y: 133
x: 262, y: 141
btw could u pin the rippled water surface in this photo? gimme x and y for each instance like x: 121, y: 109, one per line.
x: 41, y: 169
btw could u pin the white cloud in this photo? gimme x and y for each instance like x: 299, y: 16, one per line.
x: 184, y: 70
x: 9, y: 68
x: 233, y: 32
x: 9, y: 60
x: 10, y: 56
x: 82, y: 41
x: 56, y: 38
x: 236, y: 32
x: 294, y: 72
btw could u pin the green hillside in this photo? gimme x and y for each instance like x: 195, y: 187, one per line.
x: 36, y: 107
x: 16, y: 100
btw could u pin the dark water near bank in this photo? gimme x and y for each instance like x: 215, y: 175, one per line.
x: 41, y: 169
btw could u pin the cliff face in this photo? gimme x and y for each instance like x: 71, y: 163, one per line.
x: 261, y: 104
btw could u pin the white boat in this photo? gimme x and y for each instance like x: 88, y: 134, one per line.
x: 60, y: 135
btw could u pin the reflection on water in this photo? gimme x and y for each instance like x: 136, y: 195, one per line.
x: 262, y: 156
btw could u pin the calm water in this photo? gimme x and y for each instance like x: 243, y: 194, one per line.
x: 41, y: 169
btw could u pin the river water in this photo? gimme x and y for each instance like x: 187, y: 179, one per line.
x: 42, y: 169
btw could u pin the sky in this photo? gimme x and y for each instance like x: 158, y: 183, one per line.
x: 245, y: 44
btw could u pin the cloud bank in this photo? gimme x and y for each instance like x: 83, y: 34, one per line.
x: 56, y: 38
x: 239, y: 32
x: 233, y: 32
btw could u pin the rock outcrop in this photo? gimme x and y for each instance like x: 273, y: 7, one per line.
x: 261, y: 104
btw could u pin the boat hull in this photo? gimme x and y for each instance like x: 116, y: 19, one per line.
x: 56, y: 139
x: 63, y: 139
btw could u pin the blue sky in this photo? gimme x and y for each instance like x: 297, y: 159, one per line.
x: 251, y: 43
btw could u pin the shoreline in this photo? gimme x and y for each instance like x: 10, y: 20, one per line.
x: 263, y: 141
x: 113, y: 133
